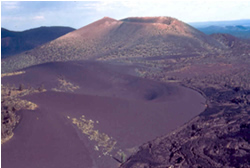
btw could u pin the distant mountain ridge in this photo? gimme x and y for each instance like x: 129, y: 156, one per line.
x: 110, y: 39
x: 14, y: 42
x: 243, y: 22
x: 237, y: 31
x: 237, y: 28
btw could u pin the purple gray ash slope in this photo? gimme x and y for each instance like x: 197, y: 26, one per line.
x: 128, y: 109
x: 115, y: 88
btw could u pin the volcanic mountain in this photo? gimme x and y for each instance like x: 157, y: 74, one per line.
x: 110, y: 39
x: 98, y: 93
x: 17, y: 42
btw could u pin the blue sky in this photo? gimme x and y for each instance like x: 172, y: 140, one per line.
x: 23, y: 15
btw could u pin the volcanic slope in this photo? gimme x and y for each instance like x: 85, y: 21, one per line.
x: 238, y: 46
x: 110, y: 39
x: 91, y: 112
x: 16, y: 42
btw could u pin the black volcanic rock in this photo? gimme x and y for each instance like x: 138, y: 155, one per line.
x: 17, y: 42
x: 219, y: 137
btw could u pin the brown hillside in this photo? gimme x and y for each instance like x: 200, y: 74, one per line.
x: 109, y: 39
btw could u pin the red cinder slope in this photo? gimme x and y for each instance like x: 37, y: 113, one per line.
x: 110, y: 39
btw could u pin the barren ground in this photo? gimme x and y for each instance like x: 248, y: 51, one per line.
x: 120, y: 111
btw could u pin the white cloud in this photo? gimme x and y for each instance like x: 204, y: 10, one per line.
x: 97, y: 5
x: 91, y: 5
x: 10, y: 5
x: 39, y: 17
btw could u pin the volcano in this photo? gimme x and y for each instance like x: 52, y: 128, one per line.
x: 110, y: 39
x: 137, y: 92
